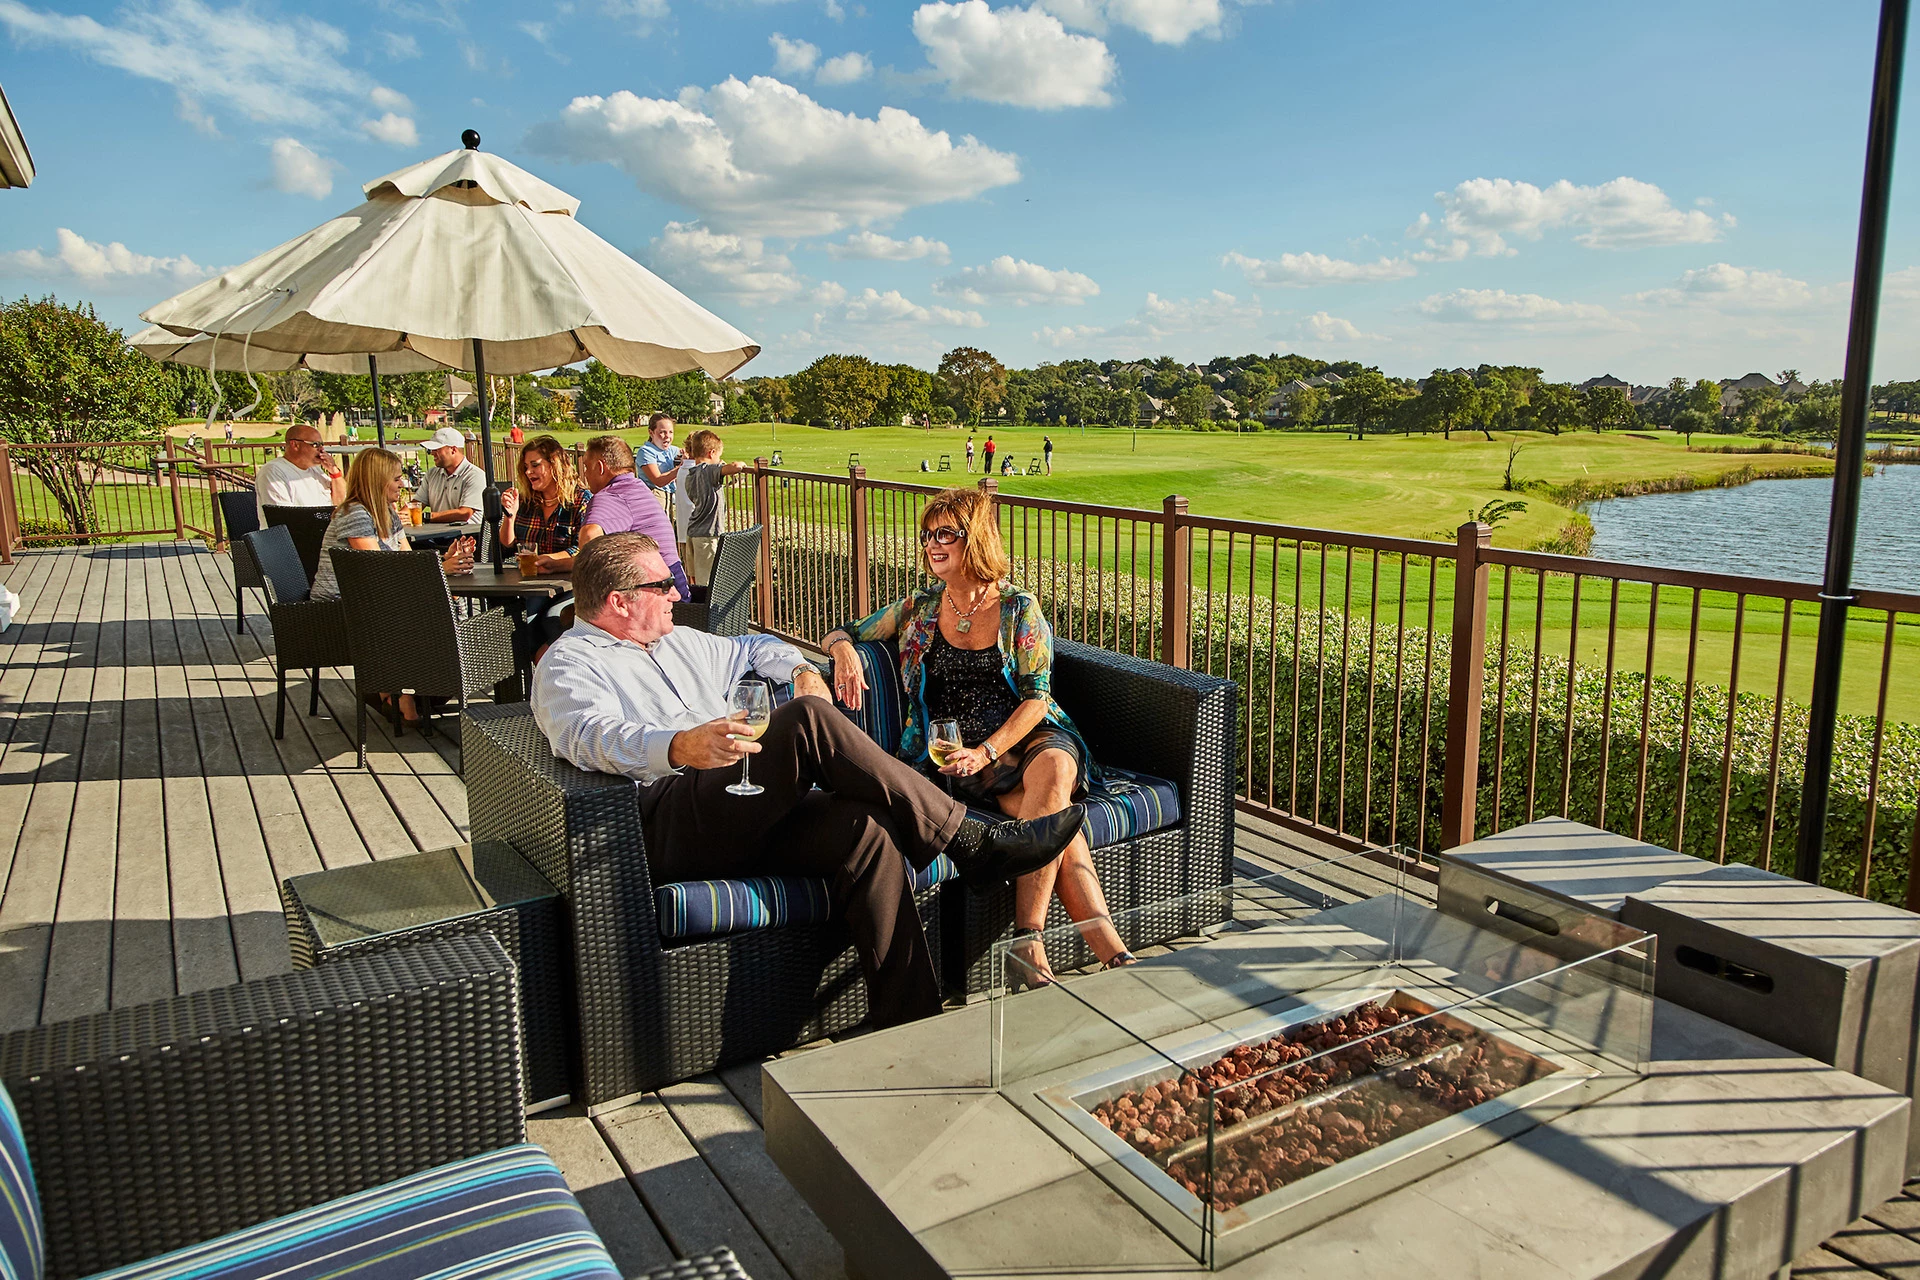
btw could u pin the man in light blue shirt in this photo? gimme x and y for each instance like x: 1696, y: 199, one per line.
x: 626, y: 692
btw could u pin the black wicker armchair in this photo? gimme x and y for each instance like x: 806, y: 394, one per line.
x: 307, y: 634
x: 725, y: 605
x: 403, y: 635
x: 240, y: 515
x: 161, y: 1125
x: 1136, y: 715
x: 651, y: 1011
x: 308, y: 525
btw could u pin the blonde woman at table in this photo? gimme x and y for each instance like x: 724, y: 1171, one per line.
x: 977, y: 650
x: 368, y: 519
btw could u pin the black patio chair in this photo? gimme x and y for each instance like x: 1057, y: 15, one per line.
x: 308, y: 525
x: 308, y: 634
x: 946, y: 462
x: 404, y: 637
x: 240, y: 515
x: 724, y: 607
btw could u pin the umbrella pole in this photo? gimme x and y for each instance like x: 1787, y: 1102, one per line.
x: 1850, y: 441
x: 486, y: 427
x: 379, y: 422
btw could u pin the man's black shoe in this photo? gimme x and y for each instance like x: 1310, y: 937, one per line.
x: 985, y: 852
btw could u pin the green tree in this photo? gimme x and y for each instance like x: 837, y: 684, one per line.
x: 603, y: 397
x: 843, y: 391
x: 1555, y: 407
x: 1366, y: 400
x: 1606, y: 408
x: 410, y: 395
x: 1306, y: 406
x: 1251, y: 387
x: 1705, y: 397
x: 1450, y: 397
x: 1191, y: 406
x: 744, y: 408
x: 687, y: 396
x: 775, y: 397
x: 1690, y: 420
x: 1818, y: 414
x: 909, y: 395
x: 68, y: 378
x: 343, y: 392
x: 1495, y: 402
x: 295, y: 389
x: 1762, y: 409
x: 973, y: 380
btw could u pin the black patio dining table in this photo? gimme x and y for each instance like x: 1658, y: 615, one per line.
x: 487, y: 583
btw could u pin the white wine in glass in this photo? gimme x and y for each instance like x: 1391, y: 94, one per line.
x: 944, y: 740
x: 752, y: 703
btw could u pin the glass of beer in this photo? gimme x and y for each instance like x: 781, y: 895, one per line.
x: 529, y: 563
x: 945, y: 738
x: 414, y: 514
x: 752, y: 702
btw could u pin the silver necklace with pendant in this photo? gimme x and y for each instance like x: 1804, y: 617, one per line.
x: 963, y: 622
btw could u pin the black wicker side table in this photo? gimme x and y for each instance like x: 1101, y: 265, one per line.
x: 481, y: 888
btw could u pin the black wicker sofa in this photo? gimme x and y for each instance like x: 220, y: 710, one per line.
x: 658, y: 996
x: 365, y: 1117
x: 1168, y: 731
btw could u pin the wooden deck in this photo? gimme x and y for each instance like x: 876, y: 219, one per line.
x: 147, y: 816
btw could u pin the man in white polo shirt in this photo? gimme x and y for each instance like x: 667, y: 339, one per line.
x: 453, y: 490
x: 303, y: 476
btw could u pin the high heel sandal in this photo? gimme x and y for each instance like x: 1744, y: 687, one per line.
x: 1027, y: 976
x: 1121, y: 960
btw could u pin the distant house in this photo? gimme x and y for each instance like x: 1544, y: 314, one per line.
x: 1638, y: 396
x: 1152, y: 409
x: 1604, y: 380
x: 1732, y: 390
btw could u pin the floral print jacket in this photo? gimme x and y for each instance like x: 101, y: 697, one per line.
x: 1026, y: 654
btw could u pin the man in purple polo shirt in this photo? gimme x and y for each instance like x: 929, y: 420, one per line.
x: 622, y: 503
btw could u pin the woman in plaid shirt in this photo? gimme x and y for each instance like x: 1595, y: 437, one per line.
x: 542, y: 512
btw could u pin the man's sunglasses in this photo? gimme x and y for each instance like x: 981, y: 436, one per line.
x: 945, y: 535
x: 659, y: 588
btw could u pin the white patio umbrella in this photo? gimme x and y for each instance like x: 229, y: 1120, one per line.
x: 473, y: 262
x: 238, y: 355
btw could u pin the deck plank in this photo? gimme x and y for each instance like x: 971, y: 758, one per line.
x: 600, y: 1184
x: 142, y: 901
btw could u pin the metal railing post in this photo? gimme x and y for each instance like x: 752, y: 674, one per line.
x: 857, y: 526
x: 9, y: 507
x: 1466, y: 676
x: 1176, y: 573
x: 763, y: 516
x: 173, y: 482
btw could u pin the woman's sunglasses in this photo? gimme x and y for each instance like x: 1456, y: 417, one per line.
x: 945, y: 535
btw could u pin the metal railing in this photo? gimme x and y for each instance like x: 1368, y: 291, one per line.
x: 1399, y: 691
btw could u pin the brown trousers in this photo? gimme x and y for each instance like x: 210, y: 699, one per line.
x: 869, y: 810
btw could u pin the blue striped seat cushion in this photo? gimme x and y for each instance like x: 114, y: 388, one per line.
x: 1128, y: 804
x: 23, y: 1245
x: 702, y: 908
x: 506, y: 1215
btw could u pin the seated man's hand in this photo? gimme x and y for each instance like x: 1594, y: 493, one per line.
x: 710, y: 746
x: 808, y: 684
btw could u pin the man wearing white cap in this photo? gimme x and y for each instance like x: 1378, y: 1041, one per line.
x: 454, y: 489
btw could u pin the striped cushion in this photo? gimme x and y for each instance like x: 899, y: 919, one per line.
x: 506, y: 1215
x: 880, y: 707
x: 23, y: 1245
x: 702, y: 908
x: 1127, y: 804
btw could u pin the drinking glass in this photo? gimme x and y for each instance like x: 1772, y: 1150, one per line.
x: 946, y: 736
x: 752, y: 702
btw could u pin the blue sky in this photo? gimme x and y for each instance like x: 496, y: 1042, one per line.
x: 1646, y: 189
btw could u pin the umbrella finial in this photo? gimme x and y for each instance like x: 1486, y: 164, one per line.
x: 470, y: 139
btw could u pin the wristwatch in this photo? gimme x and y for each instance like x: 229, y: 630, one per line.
x: 993, y: 752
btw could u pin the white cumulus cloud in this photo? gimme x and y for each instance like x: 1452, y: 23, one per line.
x: 792, y: 57
x: 100, y: 265
x: 1330, y: 330
x: 298, y: 171
x: 274, y: 71
x: 1159, y: 321
x: 392, y: 128
x: 1161, y: 21
x: 1015, y: 280
x: 700, y: 261
x: 1725, y: 287
x: 1302, y: 270
x: 399, y: 46
x: 845, y: 69
x: 1526, y: 311
x: 1625, y: 213
x: 1020, y: 57
x: 870, y: 307
x: 763, y: 157
x: 873, y: 247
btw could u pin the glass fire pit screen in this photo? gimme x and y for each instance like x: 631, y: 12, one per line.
x: 1312, y: 1040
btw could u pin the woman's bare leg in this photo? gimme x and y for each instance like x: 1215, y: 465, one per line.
x: 1047, y: 787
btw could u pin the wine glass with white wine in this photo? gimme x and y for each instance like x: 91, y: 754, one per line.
x: 944, y: 739
x: 752, y: 703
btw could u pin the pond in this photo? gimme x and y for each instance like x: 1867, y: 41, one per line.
x: 1768, y: 529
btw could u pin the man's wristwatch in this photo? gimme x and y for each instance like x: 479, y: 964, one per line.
x: 993, y: 752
